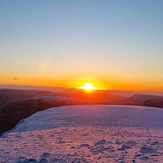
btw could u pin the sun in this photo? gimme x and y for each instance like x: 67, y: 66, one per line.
x: 88, y: 87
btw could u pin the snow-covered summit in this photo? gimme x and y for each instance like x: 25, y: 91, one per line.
x: 86, y: 134
x: 94, y: 115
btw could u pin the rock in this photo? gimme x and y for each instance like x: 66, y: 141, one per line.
x: 155, y: 143
x: 121, y: 161
x: 22, y: 160
x: 147, y: 149
x: 154, y: 155
x: 97, y: 149
x: 84, y: 145
x: 144, y: 158
x: 72, y: 147
x: 60, y: 141
x: 99, y: 157
x: 124, y: 147
x: 79, y: 160
x: 118, y: 142
x: 138, y: 155
x: 32, y: 161
x: 101, y: 142
x: 61, y: 158
x: 45, y: 155
x: 109, y: 142
x: 131, y: 143
x: 43, y: 160
x: 25, y: 160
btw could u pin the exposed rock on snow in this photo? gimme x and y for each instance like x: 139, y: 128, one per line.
x: 82, y: 144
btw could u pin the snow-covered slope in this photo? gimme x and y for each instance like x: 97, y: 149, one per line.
x: 96, y: 115
x: 87, y: 134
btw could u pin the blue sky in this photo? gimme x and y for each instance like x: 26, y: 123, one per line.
x: 117, y: 39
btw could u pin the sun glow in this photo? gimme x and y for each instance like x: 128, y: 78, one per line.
x: 90, y: 84
x: 88, y: 87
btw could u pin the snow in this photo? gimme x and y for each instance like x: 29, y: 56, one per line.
x: 87, y: 134
x: 96, y: 115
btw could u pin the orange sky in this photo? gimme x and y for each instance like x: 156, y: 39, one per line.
x: 75, y: 82
x: 114, y: 44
